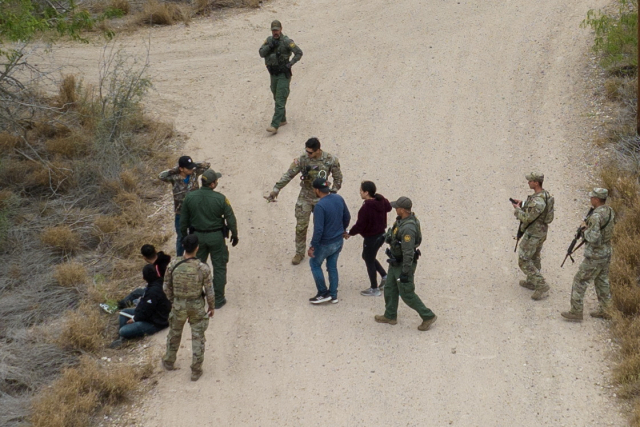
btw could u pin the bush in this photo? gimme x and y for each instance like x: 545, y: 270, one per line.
x: 84, y: 330
x: 155, y: 13
x: 70, y: 274
x: 60, y: 237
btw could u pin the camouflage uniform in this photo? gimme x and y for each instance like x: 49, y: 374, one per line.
x: 404, y: 237
x: 597, y: 256
x: 535, y: 215
x: 309, y: 169
x: 276, y: 58
x: 180, y: 190
x: 184, y: 286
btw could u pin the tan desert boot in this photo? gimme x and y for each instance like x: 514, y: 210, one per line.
x: 297, y: 259
x: 527, y: 285
x: 272, y: 130
x: 572, y: 316
x: 427, y: 324
x: 382, y: 319
x: 540, y: 293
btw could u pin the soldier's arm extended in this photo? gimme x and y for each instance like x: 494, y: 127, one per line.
x: 297, y: 52
x: 206, y: 285
x: 169, y: 175
x: 337, y: 175
x: 408, y: 244
x: 168, y: 283
x: 531, y: 211
x: 201, y: 167
x: 185, y: 216
x: 230, y: 218
x: 593, y: 234
x: 266, y: 48
x: 294, y: 169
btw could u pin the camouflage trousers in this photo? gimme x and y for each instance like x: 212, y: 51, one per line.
x: 591, y: 269
x: 529, y: 259
x: 304, y: 207
x: 181, y: 311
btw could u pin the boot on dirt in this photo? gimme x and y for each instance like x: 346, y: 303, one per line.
x: 572, y: 316
x: 297, y: 259
x: 600, y: 314
x: 426, y: 324
x: 168, y: 366
x: 283, y: 123
x: 195, y: 375
x: 382, y: 319
x: 528, y: 285
x: 272, y: 130
x: 541, y: 293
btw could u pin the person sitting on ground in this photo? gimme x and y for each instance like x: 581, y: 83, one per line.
x: 160, y: 260
x: 150, y: 315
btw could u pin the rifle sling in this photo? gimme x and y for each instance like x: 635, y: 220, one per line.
x: 546, y: 206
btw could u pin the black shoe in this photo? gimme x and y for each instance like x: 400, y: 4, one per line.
x: 117, y: 343
x: 319, y: 299
x: 220, y: 304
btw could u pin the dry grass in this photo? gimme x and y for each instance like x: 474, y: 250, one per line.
x: 61, y: 237
x: 122, y: 5
x: 70, y: 274
x: 156, y: 13
x: 83, y: 329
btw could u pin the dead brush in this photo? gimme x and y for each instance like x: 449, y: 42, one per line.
x: 81, y: 391
x: 156, y: 13
x: 83, y: 329
x: 60, y: 237
x: 122, y: 5
x: 70, y: 274
x: 8, y: 142
x: 67, y: 94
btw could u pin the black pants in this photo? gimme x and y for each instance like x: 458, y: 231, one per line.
x: 369, y: 253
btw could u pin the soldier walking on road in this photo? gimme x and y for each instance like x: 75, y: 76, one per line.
x: 187, y: 284
x: 184, y: 179
x: 597, y: 233
x: 210, y: 216
x: 276, y: 51
x: 314, y: 164
x: 535, y: 215
x: 404, y: 237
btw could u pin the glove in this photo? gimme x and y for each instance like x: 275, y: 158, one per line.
x: 234, y: 241
x: 271, y: 197
x: 289, y: 65
x: 404, y: 278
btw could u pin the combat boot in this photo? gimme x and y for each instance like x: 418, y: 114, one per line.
x: 297, y: 259
x: 426, y: 324
x: 600, y: 314
x: 272, y: 130
x: 168, y: 366
x: 283, y: 123
x: 540, y: 293
x: 528, y: 285
x: 195, y: 375
x: 382, y: 319
x: 572, y: 316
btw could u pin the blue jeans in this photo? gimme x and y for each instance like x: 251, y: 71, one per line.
x: 179, y: 248
x: 330, y: 253
x: 135, y: 329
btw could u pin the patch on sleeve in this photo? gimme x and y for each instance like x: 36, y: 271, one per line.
x: 292, y: 45
x: 296, y: 161
x: 266, y: 40
x: 407, y: 238
x: 227, y: 201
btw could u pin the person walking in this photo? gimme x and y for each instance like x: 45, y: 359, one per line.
x: 187, y: 285
x: 371, y: 224
x: 404, y: 238
x: 330, y: 219
x: 535, y: 215
x: 276, y: 51
x: 184, y: 179
x: 210, y: 216
x: 597, y: 231
x: 315, y: 163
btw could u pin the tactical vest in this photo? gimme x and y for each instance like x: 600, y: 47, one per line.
x: 187, y: 279
x: 310, y: 170
x: 397, y: 233
x: 280, y: 56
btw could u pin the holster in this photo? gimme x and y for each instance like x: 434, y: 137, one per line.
x: 225, y: 231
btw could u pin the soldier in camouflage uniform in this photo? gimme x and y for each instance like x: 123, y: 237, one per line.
x: 314, y: 164
x: 404, y: 237
x: 276, y: 51
x: 186, y: 284
x: 596, y: 232
x: 183, y: 178
x: 535, y: 215
x: 210, y: 216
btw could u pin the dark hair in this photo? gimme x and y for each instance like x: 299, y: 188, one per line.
x: 190, y: 243
x: 148, y: 251
x: 368, y: 187
x: 149, y: 273
x: 205, y: 182
x: 313, y: 143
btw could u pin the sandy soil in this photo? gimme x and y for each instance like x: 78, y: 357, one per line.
x: 447, y: 102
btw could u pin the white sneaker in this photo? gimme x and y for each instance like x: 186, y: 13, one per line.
x: 319, y: 299
x: 334, y: 300
x: 371, y: 292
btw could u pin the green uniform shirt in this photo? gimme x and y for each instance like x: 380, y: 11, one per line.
x: 532, y: 215
x: 599, y: 232
x: 279, y: 56
x: 404, y: 237
x: 206, y: 209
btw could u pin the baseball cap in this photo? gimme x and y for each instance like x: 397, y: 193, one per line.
x: 600, y: 193
x: 320, y: 183
x: 276, y: 25
x: 210, y: 176
x: 186, y: 162
x: 402, y: 202
x: 535, y: 176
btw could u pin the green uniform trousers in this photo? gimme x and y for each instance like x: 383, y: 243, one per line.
x: 280, y: 90
x: 596, y: 270
x: 193, y: 310
x: 214, y: 245
x: 393, y: 287
x: 529, y: 259
x: 304, y: 207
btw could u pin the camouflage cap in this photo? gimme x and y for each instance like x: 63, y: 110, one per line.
x: 402, y: 202
x: 600, y: 193
x: 535, y: 176
x: 210, y: 176
x: 276, y: 25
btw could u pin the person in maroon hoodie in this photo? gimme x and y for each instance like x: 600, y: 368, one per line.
x: 371, y: 224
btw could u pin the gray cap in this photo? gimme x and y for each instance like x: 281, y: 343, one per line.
x: 600, y: 193
x: 535, y: 176
x: 402, y: 202
x: 210, y: 176
x: 276, y: 25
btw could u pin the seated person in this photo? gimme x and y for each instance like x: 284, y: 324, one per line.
x: 150, y: 315
x: 160, y: 260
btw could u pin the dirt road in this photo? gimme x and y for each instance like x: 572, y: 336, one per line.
x: 447, y: 102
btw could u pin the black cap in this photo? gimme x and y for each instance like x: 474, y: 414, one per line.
x: 320, y: 184
x: 186, y: 162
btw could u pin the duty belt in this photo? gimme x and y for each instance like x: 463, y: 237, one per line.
x: 208, y: 231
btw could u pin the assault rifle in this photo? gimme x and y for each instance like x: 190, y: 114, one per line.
x: 520, y: 233
x: 579, y: 235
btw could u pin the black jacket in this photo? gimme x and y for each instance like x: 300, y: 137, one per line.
x: 162, y: 262
x: 154, y: 307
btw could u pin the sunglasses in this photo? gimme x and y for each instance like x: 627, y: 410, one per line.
x: 309, y: 152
